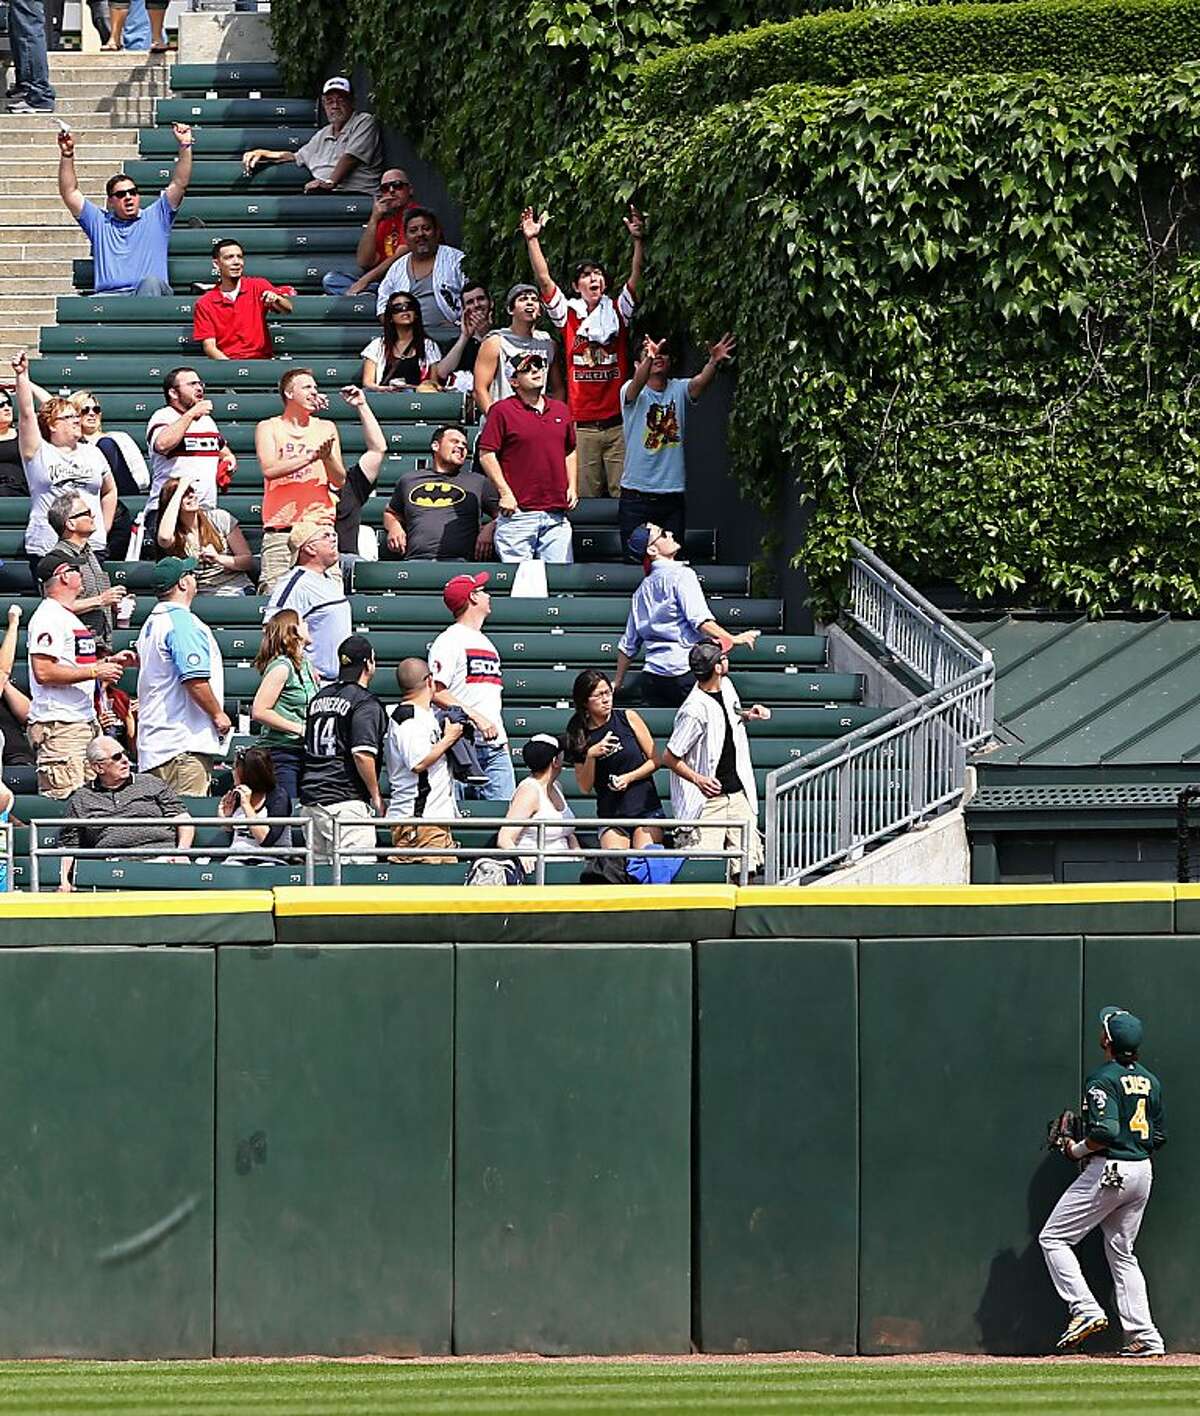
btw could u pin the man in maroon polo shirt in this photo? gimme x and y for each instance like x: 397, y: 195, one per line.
x: 527, y: 448
x: 230, y: 321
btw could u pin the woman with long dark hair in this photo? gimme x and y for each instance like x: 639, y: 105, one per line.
x: 402, y: 356
x: 614, y: 756
x: 255, y: 793
x: 213, y: 538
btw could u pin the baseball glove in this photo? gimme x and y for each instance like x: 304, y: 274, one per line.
x: 1065, y: 1127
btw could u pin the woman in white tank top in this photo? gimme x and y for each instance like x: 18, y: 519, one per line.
x: 540, y: 798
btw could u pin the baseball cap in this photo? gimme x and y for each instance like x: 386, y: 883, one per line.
x: 353, y: 653
x: 336, y: 85
x: 1121, y: 1028
x: 704, y: 656
x: 589, y: 264
x: 171, y: 570
x: 304, y: 531
x: 459, y: 590
x: 541, y: 750
x: 522, y: 287
x: 527, y: 359
x: 50, y: 563
x: 639, y: 541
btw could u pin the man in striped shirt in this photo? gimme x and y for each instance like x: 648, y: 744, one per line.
x: 117, y: 790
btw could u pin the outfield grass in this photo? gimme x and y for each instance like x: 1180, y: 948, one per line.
x: 476, y: 1389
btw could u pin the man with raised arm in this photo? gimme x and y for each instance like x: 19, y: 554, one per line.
x: 596, y: 341
x: 129, y: 244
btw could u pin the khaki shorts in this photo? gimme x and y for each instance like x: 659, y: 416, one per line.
x: 420, y: 837
x: 189, y: 774
x: 600, y: 460
x: 730, y: 809
x: 358, y: 835
x: 61, y: 754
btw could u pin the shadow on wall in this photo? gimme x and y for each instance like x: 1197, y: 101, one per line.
x: 1020, y: 1314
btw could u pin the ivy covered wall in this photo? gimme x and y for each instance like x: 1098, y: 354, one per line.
x: 966, y: 306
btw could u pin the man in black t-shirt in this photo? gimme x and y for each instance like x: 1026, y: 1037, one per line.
x: 436, y: 514
x: 343, y: 748
x: 360, y: 482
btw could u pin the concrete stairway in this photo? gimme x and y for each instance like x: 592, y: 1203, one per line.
x: 105, y: 98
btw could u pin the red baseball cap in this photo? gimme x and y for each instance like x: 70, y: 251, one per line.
x: 459, y: 590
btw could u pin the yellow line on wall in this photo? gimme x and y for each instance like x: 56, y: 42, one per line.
x: 520, y: 899
x: 887, y: 896
x: 134, y: 903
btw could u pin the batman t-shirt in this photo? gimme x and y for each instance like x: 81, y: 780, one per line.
x: 441, y: 515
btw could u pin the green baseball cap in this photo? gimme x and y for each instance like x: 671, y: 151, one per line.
x: 169, y: 571
x: 1121, y: 1028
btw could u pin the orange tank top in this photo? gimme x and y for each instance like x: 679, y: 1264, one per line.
x: 287, y: 500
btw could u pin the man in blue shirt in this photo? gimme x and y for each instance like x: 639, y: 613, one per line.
x: 668, y: 615
x: 654, y: 410
x: 129, y: 245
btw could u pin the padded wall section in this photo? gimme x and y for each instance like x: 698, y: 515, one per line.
x: 334, y: 1150
x: 106, y: 1086
x: 777, y: 1146
x: 573, y: 1148
x: 1159, y: 980
x: 968, y: 1047
x: 138, y: 917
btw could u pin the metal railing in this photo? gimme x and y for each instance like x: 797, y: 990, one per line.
x: 539, y: 851
x: 827, y: 807
x: 39, y: 852
x: 6, y: 852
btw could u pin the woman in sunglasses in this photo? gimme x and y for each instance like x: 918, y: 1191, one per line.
x: 12, y: 471
x: 401, y: 357
x: 122, y: 454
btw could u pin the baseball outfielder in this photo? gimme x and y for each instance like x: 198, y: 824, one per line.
x: 1122, y: 1127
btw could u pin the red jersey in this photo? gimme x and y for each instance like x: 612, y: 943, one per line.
x: 532, y: 448
x: 389, y: 236
x: 239, y: 325
x: 595, y: 371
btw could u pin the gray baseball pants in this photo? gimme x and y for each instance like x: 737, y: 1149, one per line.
x: 1084, y: 1205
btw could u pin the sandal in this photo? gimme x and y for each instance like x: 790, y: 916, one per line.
x: 161, y: 47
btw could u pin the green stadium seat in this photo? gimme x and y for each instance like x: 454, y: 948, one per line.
x: 305, y: 342
x: 604, y: 544
x: 566, y: 612
x: 429, y: 409
x: 171, y: 309
x: 12, y: 541
x: 247, y: 476
x: 225, y: 176
x: 225, y: 142
x: 406, y: 575
x: 140, y: 372
x: 226, y: 78
x: 186, y: 271
x: 332, y: 210
x: 236, y: 112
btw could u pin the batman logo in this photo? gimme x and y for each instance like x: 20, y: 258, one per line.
x: 436, y: 494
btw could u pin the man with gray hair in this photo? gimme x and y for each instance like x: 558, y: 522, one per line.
x: 73, y: 522
x: 118, y: 791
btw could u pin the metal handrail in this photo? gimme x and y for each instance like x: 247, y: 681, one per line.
x: 740, y: 854
x: 820, y: 809
x: 38, y: 852
x: 7, y: 828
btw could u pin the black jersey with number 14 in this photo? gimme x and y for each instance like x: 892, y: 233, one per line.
x: 343, y: 718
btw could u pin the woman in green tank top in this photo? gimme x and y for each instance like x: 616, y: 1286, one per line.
x: 282, y: 700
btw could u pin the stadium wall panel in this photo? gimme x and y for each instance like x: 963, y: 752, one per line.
x: 333, y: 1149
x: 776, y: 1159
x: 572, y: 1213
x: 106, y: 1226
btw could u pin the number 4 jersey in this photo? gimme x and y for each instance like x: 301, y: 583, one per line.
x: 1122, y: 1107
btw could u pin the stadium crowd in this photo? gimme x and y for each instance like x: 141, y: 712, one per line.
x: 567, y: 412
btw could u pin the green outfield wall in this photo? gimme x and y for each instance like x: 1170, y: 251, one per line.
x: 570, y: 1120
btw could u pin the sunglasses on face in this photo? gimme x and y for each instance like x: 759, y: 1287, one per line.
x: 116, y: 756
x: 67, y: 418
x: 124, y: 192
x: 89, y: 408
x: 394, y: 186
x: 402, y: 307
x: 75, y: 515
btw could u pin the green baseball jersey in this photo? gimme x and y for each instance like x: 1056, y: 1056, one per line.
x: 1122, y: 1108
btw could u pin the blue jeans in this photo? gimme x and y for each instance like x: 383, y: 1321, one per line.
x: 27, y: 40
x: 148, y: 285
x: 501, y: 782
x: 667, y: 510
x: 338, y: 282
x: 534, y: 535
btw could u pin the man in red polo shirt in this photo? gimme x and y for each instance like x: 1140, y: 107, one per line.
x: 230, y: 321
x: 527, y: 448
x: 596, y: 344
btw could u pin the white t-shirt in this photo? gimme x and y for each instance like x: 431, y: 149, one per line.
x: 466, y: 662
x: 53, y: 472
x: 321, y: 603
x: 175, y: 646
x: 62, y: 636
x: 198, y: 454
x: 417, y: 794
